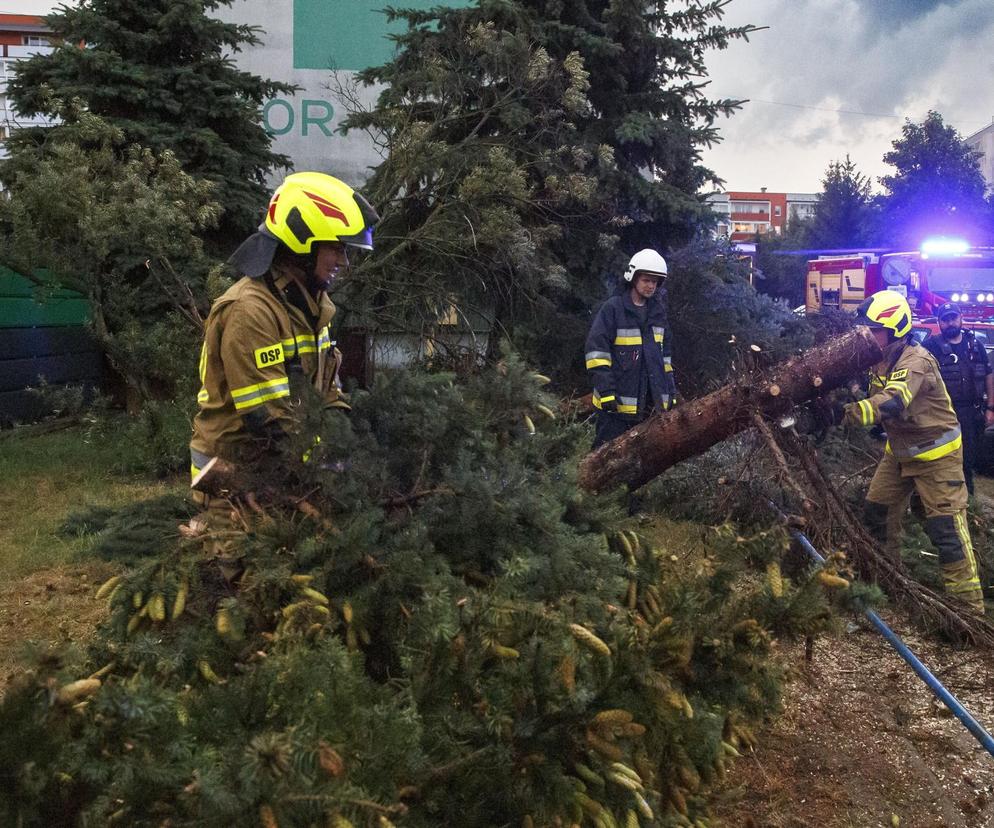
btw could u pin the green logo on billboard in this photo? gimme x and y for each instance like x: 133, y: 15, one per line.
x: 348, y: 34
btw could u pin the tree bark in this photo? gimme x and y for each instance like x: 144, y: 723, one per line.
x: 663, y: 440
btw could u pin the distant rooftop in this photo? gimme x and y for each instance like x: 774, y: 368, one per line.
x: 981, y: 131
x: 22, y: 23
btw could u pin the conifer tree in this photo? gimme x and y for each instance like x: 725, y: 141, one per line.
x: 161, y: 71
x: 843, y: 217
x: 532, y: 146
x: 780, y: 274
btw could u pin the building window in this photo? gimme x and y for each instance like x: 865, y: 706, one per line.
x: 751, y: 227
x: 776, y: 210
x: 34, y: 40
x: 760, y: 208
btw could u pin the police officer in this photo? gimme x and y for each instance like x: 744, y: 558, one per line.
x: 966, y: 371
x: 628, y: 350
x: 924, y: 446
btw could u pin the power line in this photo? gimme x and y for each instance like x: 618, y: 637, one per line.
x: 824, y: 109
x: 845, y: 111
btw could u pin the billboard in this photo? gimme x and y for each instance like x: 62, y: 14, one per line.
x: 318, y: 45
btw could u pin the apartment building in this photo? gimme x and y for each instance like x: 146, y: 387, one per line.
x: 745, y: 214
x: 21, y: 35
x: 982, y: 141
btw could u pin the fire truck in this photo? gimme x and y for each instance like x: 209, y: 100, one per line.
x: 943, y: 270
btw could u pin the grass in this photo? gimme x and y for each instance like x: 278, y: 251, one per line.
x: 46, y: 477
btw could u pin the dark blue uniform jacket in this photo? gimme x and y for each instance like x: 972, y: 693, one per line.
x: 628, y: 360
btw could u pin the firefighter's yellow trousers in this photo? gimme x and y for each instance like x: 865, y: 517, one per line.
x: 942, y: 489
x: 223, y: 537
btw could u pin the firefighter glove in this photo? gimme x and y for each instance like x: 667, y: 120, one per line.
x: 836, y: 413
x: 852, y: 415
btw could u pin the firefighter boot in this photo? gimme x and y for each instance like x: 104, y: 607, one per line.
x: 950, y: 535
x: 885, y: 522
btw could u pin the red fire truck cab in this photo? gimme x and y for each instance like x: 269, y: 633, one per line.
x: 943, y: 270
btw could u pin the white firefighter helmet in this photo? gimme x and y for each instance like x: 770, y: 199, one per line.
x: 648, y: 261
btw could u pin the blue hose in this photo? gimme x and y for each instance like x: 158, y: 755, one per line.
x: 940, y: 692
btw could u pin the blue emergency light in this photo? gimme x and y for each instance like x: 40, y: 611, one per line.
x: 942, y: 245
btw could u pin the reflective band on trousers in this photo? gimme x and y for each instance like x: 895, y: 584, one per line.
x: 971, y: 584
x: 932, y: 450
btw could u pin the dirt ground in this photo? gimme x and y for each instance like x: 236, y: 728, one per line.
x: 863, y: 743
x: 51, y: 607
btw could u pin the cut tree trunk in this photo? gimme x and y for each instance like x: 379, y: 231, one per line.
x: 663, y: 440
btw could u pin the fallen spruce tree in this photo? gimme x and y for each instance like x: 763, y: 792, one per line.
x: 664, y: 440
x: 453, y: 634
x: 660, y: 442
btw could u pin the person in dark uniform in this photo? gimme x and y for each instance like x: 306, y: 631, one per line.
x: 628, y: 350
x: 967, y: 372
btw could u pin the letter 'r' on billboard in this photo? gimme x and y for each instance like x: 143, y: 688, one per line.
x: 348, y: 34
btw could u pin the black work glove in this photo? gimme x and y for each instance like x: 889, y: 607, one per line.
x: 827, y: 412
x: 610, y: 406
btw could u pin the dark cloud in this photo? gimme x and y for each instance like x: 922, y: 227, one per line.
x: 900, y: 12
x: 877, y: 57
x: 880, y: 57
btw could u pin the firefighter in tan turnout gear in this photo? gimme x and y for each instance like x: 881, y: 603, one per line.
x: 267, y: 338
x: 924, y: 446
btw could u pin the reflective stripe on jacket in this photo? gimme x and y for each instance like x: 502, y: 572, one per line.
x: 619, y: 350
x: 255, y: 343
x: 912, y: 405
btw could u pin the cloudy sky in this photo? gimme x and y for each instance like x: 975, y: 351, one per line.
x: 830, y: 58
x: 28, y: 6
x: 819, y: 63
